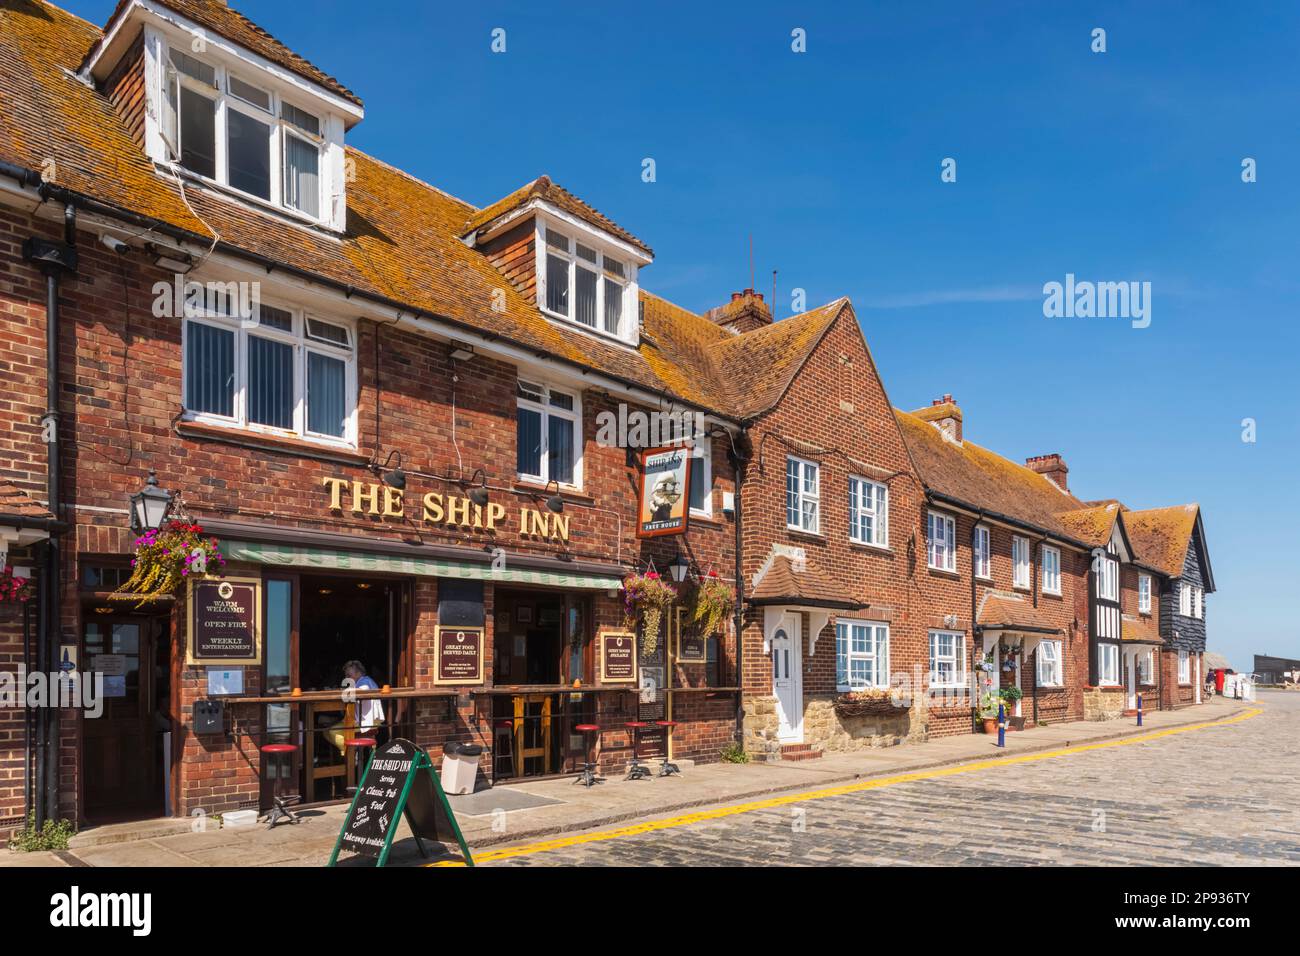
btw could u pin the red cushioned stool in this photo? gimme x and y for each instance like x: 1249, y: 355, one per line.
x: 667, y: 769
x: 588, y: 776
x: 636, y: 770
x: 358, y: 749
x: 503, y: 736
x: 277, y: 754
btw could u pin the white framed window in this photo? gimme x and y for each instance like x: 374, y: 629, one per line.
x: 701, y: 490
x: 1107, y: 665
x: 983, y: 553
x: 861, y: 654
x: 1146, y: 667
x: 947, y: 658
x: 1144, y: 594
x: 868, y: 512
x: 1184, y: 667
x: 802, y: 495
x: 548, y: 434
x: 1107, y: 572
x: 578, y: 281
x: 941, y: 539
x: 1051, y: 558
x: 1050, y: 672
x: 223, y: 125
x: 1198, y: 602
x: 1184, y: 599
x: 289, y: 372
x: 1020, y: 562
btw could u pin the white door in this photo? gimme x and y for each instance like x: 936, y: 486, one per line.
x: 787, y: 684
x: 1196, y: 679
x: 1130, y: 665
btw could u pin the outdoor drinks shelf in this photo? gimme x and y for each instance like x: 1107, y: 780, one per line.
x: 336, y: 694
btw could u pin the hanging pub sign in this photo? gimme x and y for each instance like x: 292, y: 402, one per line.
x: 617, y: 657
x: 689, y: 644
x: 224, y: 621
x: 399, y: 782
x: 665, y: 492
x: 459, y: 652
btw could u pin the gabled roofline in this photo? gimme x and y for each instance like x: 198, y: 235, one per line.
x: 1204, y: 551
x: 1005, y: 519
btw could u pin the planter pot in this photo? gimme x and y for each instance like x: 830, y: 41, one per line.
x: 1015, y: 723
x: 990, y: 724
x: 865, y: 708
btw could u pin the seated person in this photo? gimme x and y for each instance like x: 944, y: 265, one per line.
x: 369, y: 711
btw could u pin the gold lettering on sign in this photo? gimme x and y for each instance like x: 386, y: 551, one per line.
x: 457, y: 510
x: 365, y: 495
x: 433, y: 507
x: 495, y: 512
x: 335, y: 485
x: 393, y: 507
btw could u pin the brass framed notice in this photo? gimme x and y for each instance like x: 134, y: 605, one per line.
x: 225, y: 621
x: 458, y: 655
x: 688, y: 645
x: 617, y: 657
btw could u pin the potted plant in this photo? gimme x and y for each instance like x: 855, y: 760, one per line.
x: 1009, y: 696
x: 989, y: 712
x: 168, y: 557
x: 715, y: 599
x: 646, y: 600
x: 13, y: 589
x: 864, y: 703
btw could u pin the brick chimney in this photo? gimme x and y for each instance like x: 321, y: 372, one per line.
x: 1051, y: 467
x: 945, y: 415
x: 744, y: 313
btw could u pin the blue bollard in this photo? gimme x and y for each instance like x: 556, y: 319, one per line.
x: 1002, y: 725
x: 1139, y: 710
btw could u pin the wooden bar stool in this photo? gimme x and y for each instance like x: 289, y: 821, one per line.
x: 503, y: 747
x: 278, y: 755
x: 588, y: 776
x: 667, y: 769
x: 357, y: 759
x: 636, y: 770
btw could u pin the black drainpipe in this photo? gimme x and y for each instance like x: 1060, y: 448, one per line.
x: 739, y: 612
x: 53, y: 259
x: 977, y: 638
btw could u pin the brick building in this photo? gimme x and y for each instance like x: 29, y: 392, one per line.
x: 393, y: 408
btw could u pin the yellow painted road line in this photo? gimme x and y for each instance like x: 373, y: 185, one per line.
x: 701, y: 816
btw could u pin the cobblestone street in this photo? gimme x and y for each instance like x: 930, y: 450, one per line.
x: 1219, y: 795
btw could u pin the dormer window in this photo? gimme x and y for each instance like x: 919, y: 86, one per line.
x: 584, y: 284
x: 226, y: 127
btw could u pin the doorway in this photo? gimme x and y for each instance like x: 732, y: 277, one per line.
x: 124, y: 757
x: 787, y: 682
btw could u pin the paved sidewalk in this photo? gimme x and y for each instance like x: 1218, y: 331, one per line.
x: 570, y: 807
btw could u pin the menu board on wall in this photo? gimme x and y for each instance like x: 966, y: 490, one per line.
x: 459, y: 653
x: 689, y: 645
x: 617, y: 657
x: 224, y: 621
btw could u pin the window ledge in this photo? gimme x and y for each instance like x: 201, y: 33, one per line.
x: 710, y: 520
x: 568, y: 494
x: 294, y: 446
x: 815, y: 535
x: 955, y: 575
x: 1053, y: 594
x: 867, y: 546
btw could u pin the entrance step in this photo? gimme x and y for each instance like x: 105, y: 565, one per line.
x: 129, y: 832
x: 799, y: 752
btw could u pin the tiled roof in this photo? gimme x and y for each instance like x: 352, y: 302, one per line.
x: 978, y: 477
x: 217, y: 16
x: 1005, y: 611
x: 1092, y: 525
x: 15, y: 502
x: 1138, y: 630
x: 760, y: 365
x: 1160, y: 536
x: 544, y: 189
x: 782, y: 584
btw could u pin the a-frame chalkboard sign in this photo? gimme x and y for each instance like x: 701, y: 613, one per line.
x: 399, y: 780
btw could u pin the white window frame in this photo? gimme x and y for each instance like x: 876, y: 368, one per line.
x: 1184, y: 667
x: 303, y: 346
x: 702, y: 458
x: 880, y: 659
x: 983, y: 553
x: 880, y: 513
x: 802, y: 495
x: 1184, y: 599
x: 949, y: 536
x: 1108, y: 676
x: 548, y: 411
x: 628, y: 330
x: 1053, y: 674
x: 1146, y: 667
x: 1144, y: 594
x: 1021, y: 573
x: 1198, y: 602
x: 280, y: 128
x: 1108, y: 578
x: 1051, y: 569
x: 958, y: 659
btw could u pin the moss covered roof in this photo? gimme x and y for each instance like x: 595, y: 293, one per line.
x: 1161, y: 536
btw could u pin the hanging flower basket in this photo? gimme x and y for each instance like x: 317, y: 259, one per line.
x: 646, y: 600
x: 865, y: 703
x: 714, y: 602
x: 165, y: 559
x: 15, y: 590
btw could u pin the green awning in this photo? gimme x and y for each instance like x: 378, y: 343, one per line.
x: 329, y: 560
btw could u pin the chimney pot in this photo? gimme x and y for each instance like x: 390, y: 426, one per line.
x: 1052, y: 467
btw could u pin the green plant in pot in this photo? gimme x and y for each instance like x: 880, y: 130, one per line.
x: 989, y: 712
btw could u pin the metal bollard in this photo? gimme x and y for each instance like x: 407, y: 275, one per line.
x: 1139, y: 710
x: 1002, y: 725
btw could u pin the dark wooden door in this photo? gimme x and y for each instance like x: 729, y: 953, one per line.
x: 122, y: 748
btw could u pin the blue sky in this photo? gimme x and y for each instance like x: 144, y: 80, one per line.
x: 1124, y: 165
